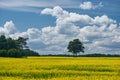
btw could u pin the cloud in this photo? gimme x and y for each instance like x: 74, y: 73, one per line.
x: 89, y: 30
x: 99, y: 34
x: 8, y: 28
x: 35, y: 5
x: 89, y: 5
x: 65, y: 23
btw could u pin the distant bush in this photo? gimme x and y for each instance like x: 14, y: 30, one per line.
x: 14, y: 53
x: 3, y: 53
x: 85, y: 55
x: 28, y: 52
x: 100, y: 55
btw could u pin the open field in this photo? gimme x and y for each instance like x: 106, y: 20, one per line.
x: 60, y: 68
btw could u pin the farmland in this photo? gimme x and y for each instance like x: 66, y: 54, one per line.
x: 60, y: 68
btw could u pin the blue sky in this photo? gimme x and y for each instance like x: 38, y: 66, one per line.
x: 36, y: 19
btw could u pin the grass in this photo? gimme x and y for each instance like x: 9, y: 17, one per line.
x: 60, y: 68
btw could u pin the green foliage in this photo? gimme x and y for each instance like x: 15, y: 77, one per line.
x: 3, y: 42
x: 15, y: 48
x: 14, y: 53
x: 3, y: 53
x: 22, y: 42
x: 28, y: 52
x: 75, y: 46
x: 11, y: 43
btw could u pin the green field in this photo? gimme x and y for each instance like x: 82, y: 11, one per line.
x: 60, y: 68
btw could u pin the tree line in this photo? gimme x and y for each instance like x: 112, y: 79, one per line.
x: 15, y: 48
x: 18, y: 48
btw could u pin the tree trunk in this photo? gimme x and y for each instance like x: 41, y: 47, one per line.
x: 75, y: 54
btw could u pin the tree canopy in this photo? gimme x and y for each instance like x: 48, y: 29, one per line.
x: 3, y: 42
x: 22, y: 42
x: 15, y: 48
x: 75, y: 46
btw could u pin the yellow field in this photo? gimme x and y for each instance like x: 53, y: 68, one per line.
x: 60, y: 68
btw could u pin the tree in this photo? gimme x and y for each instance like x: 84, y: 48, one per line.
x: 28, y: 52
x: 22, y: 42
x: 3, y: 42
x: 3, y: 53
x: 15, y: 48
x: 14, y: 53
x: 75, y: 47
x: 11, y: 44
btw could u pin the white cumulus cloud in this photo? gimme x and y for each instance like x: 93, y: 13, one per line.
x: 99, y: 34
x: 89, y: 5
x: 8, y: 28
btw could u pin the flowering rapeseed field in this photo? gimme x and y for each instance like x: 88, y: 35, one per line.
x: 60, y: 68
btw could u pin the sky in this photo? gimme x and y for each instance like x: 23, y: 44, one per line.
x: 51, y: 24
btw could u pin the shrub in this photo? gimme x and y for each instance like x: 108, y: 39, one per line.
x: 14, y: 53
x: 3, y: 53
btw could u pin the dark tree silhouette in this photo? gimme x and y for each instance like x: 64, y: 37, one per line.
x: 22, y: 42
x: 15, y: 48
x: 11, y: 44
x: 75, y: 47
x: 3, y: 42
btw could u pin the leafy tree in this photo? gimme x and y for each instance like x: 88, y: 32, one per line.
x: 3, y: 53
x: 14, y: 53
x: 75, y: 47
x: 11, y: 44
x: 15, y: 48
x: 22, y: 42
x: 28, y: 52
x: 3, y: 42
